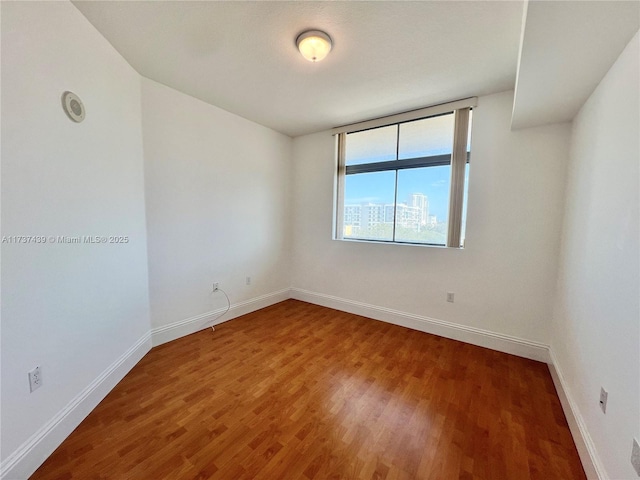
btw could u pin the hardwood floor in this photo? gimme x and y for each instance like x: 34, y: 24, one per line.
x: 298, y: 391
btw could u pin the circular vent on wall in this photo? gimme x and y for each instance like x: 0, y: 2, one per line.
x: 73, y: 106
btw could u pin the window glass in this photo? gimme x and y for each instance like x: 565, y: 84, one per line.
x: 422, y: 207
x: 426, y: 137
x: 368, y: 205
x: 369, y: 146
x: 397, y: 181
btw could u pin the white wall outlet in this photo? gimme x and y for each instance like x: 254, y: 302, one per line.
x: 603, y: 399
x: 215, y: 287
x: 450, y: 297
x: 635, y: 456
x: 35, y: 379
x: 248, y: 281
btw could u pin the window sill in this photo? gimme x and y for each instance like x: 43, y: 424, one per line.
x: 383, y: 242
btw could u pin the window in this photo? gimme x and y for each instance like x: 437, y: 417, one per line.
x: 403, y: 179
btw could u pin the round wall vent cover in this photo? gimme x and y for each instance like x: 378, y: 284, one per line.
x: 73, y: 106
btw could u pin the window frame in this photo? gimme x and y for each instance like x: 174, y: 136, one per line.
x: 458, y: 159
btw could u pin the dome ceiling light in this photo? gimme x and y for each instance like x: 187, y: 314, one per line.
x: 314, y: 45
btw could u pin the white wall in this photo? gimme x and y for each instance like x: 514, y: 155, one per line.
x: 72, y: 309
x: 503, y: 280
x: 217, y: 195
x: 596, y: 327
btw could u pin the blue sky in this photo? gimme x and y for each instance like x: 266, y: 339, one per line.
x: 379, y: 187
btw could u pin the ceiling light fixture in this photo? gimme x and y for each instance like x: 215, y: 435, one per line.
x: 314, y: 45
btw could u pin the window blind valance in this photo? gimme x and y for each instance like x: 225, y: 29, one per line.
x: 407, y: 116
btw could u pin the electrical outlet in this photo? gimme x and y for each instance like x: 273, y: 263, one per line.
x: 215, y: 287
x: 603, y: 399
x: 450, y: 297
x: 248, y: 281
x: 35, y: 379
x: 635, y: 456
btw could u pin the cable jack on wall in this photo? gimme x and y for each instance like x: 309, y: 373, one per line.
x: 216, y: 288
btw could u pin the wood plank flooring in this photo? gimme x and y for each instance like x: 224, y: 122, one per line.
x: 298, y: 391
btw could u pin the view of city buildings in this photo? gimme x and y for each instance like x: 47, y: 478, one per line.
x: 412, y: 221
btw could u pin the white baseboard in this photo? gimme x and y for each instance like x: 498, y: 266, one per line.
x: 591, y: 463
x: 474, y: 336
x: 167, y: 333
x: 32, y: 453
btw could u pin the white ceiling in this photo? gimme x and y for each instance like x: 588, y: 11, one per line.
x: 388, y: 57
x: 567, y: 47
